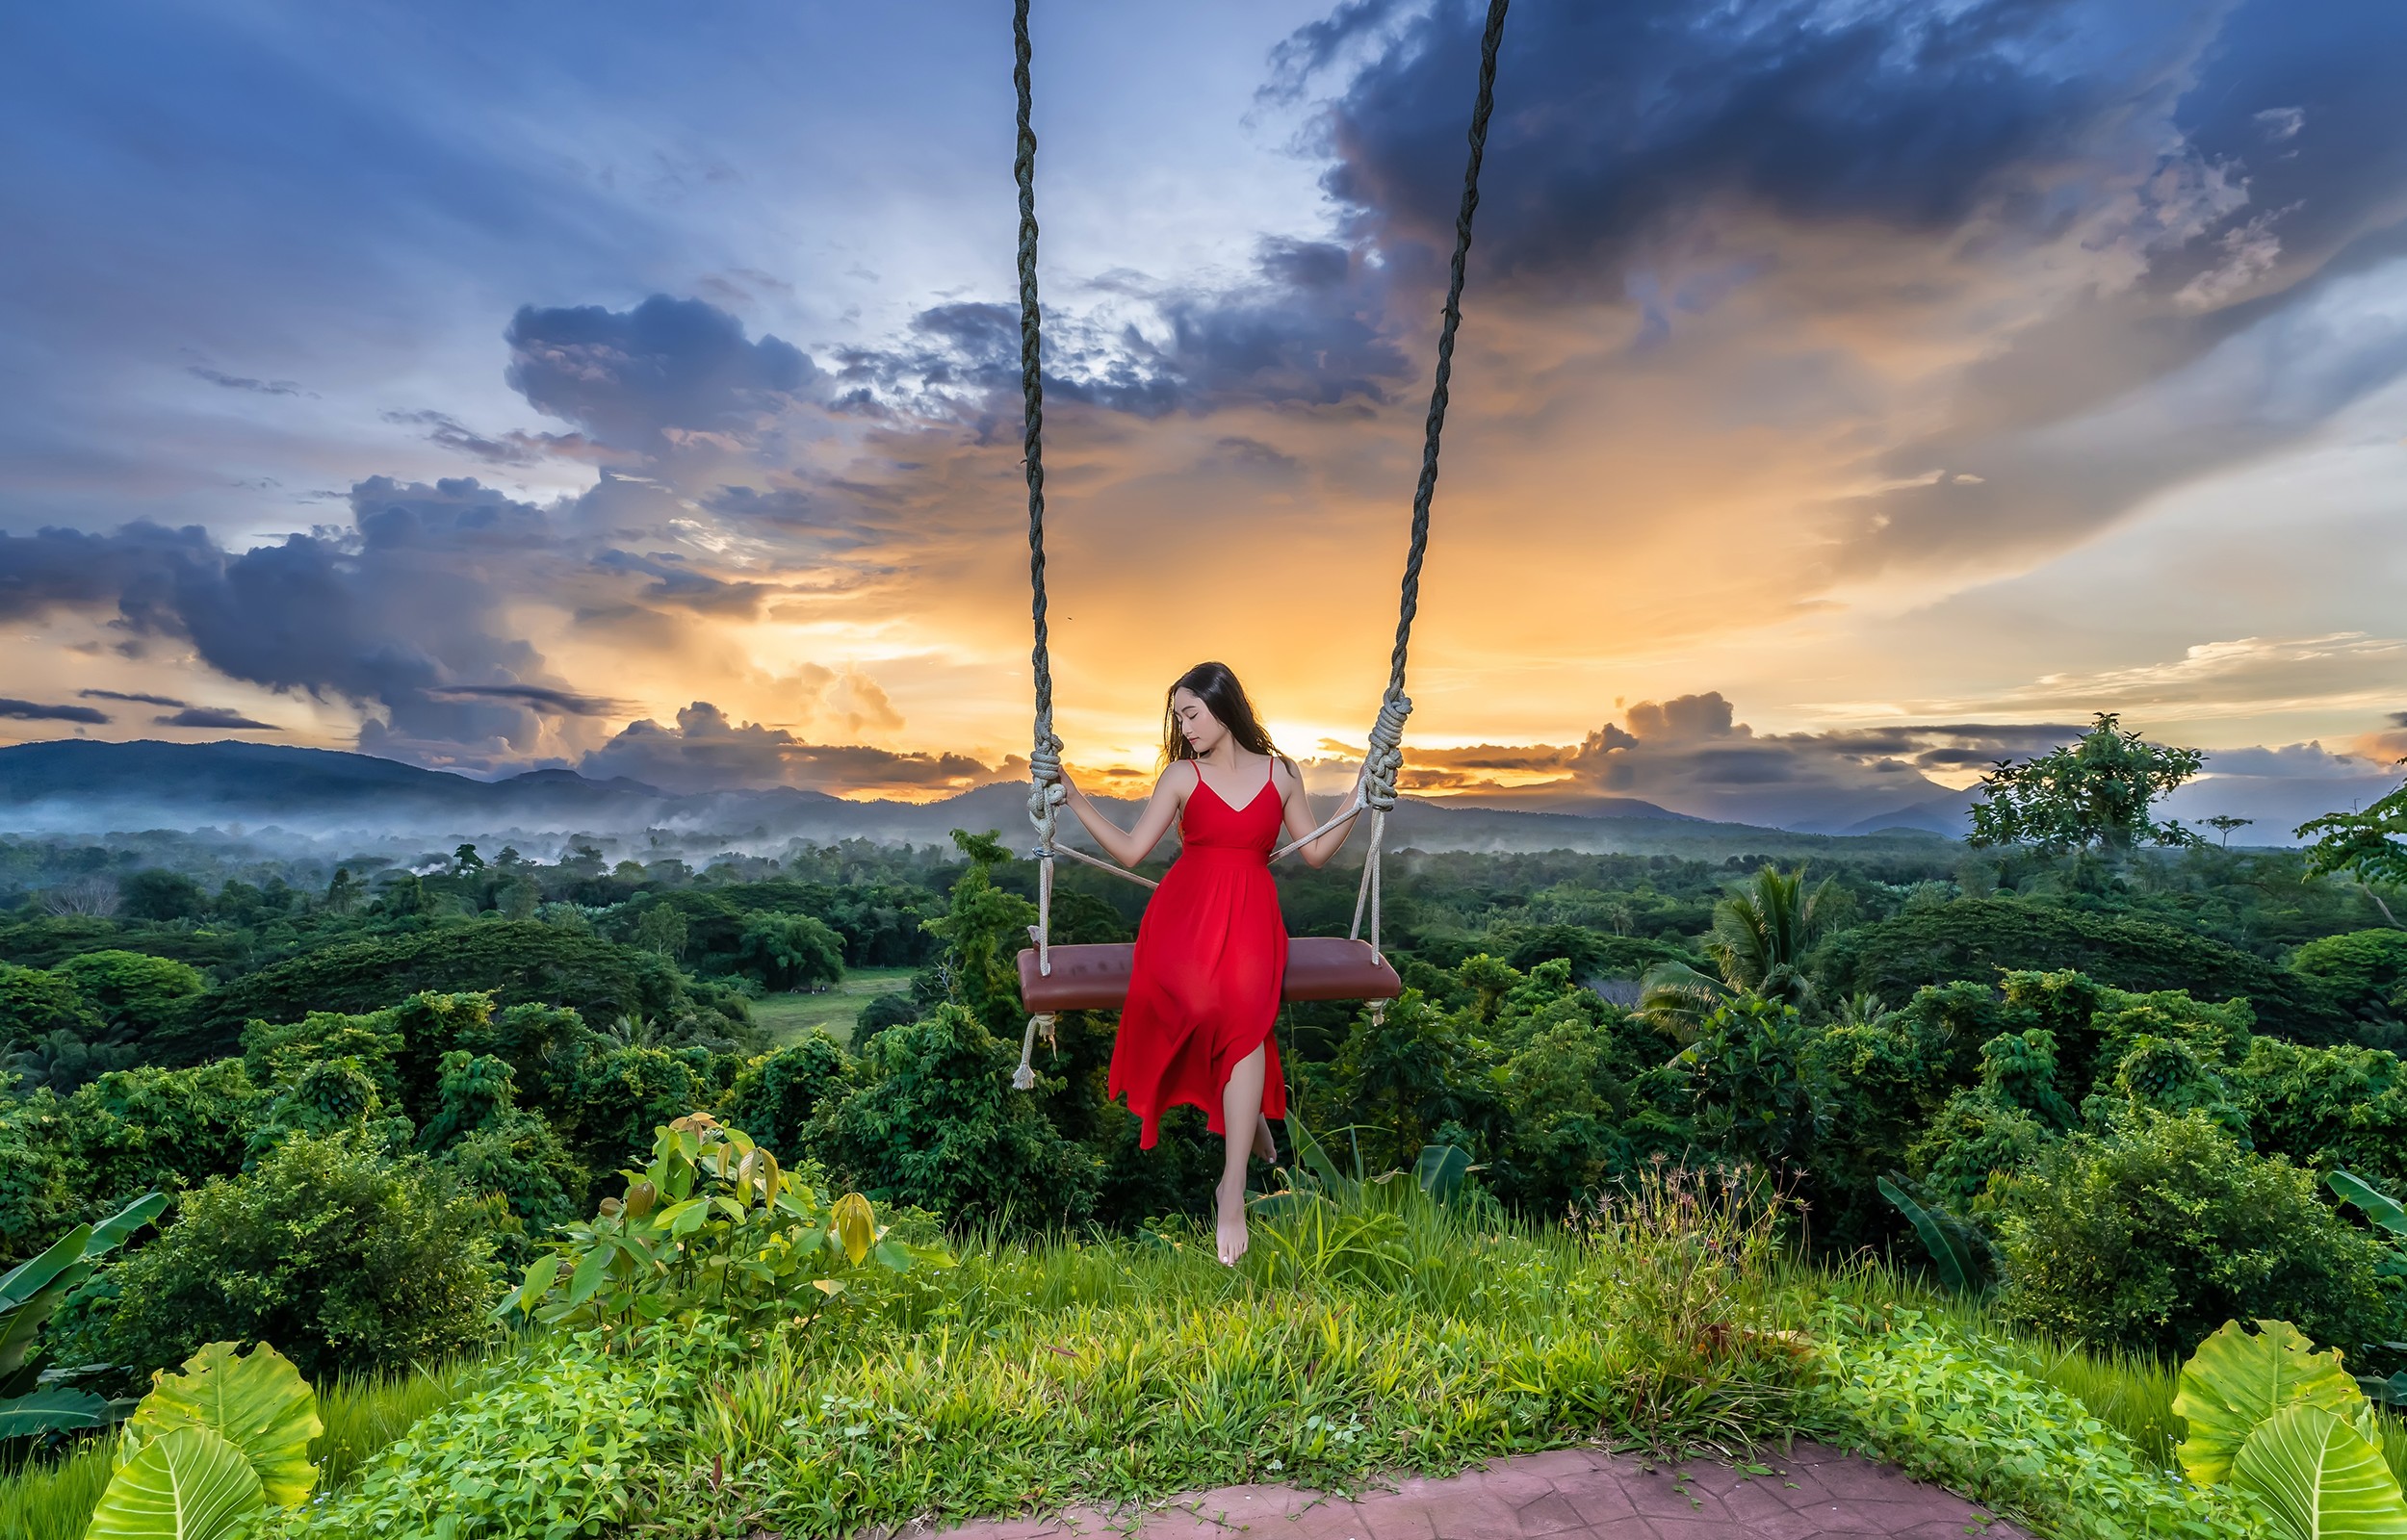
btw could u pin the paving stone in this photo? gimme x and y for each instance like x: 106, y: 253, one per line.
x: 1582, y: 1494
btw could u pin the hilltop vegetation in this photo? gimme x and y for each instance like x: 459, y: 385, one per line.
x: 2100, y: 1088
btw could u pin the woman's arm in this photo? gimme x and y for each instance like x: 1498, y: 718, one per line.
x: 1130, y: 846
x: 1302, y: 820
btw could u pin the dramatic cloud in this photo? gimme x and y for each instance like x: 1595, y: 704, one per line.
x: 666, y: 372
x: 1614, y: 121
x: 1690, y: 754
x: 36, y: 711
x: 209, y: 716
x: 706, y: 752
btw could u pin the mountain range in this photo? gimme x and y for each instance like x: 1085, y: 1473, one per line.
x: 77, y: 786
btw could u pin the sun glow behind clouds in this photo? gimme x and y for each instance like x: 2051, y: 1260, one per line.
x: 1861, y: 439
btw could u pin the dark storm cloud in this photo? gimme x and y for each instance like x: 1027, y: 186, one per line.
x: 56, y: 569
x: 36, y: 711
x: 139, y: 700
x: 1305, y: 329
x: 706, y: 752
x: 381, y: 614
x: 643, y: 378
x: 1612, y: 119
x: 2307, y: 103
x: 210, y: 716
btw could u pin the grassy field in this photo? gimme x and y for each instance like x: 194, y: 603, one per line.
x: 788, y: 1017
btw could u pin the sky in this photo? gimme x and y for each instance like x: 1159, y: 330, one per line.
x: 1849, y: 394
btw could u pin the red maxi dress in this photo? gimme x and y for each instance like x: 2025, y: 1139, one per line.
x: 1211, y: 956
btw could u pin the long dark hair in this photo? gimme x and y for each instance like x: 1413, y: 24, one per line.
x: 1216, y: 685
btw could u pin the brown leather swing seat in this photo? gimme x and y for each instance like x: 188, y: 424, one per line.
x: 1096, y: 978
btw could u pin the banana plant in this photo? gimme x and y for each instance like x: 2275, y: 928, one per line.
x: 209, y: 1446
x: 1958, y: 1249
x: 30, y: 1295
x: 2388, y: 1213
x: 2271, y: 1417
x: 711, y: 1222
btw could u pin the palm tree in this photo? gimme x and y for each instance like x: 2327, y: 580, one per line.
x: 1758, y: 945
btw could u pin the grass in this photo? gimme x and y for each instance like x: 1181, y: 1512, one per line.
x: 789, y: 1016
x: 1359, y: 1339
x: 52, y: 1499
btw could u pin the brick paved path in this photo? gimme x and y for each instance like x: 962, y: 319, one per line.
x: 1814, y: 1493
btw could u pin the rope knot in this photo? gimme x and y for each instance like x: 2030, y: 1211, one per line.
x: 1047, y: 793
x: 1383, y: 761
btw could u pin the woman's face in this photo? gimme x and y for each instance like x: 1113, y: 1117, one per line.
x: 1202, y: 731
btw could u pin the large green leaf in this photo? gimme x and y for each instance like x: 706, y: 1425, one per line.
x: 53, y: 1408
x: 1441, y: 1170
x: 2237, y: 1380
x: 2380, y: 1207
x: 30, y: 1277
x: 2320, y: 1477
x: 108, y: 1233
x: 1949, y: 1245
x: 1314, y: 1158
x: 259, y: 1404
x: 186, y: 1484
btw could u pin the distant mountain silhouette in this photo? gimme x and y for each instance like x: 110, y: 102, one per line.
x: 82, y: 786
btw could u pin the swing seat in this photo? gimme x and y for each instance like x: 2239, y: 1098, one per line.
x: 1096, y: 978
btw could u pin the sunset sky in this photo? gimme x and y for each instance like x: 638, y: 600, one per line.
x: 1849, y: 394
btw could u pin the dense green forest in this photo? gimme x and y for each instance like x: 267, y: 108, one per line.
x: 2099, y: 1083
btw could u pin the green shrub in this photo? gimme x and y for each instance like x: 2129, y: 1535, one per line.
x: 789, y: 951
x: 936, y: 1125
x: 1405, y: 1083
x: 517, y: 962
x: 2153, y: 1235
x: 2363, y: 972
x: 34, y: 1004
x: 1755, y: 1082
x: 1973, y: 938
x: 131, y: 989
x: 777, y: 1093
x: 1562, y: 1131
x: 145, y: 1129
x: 615, y: 1098
x: 2342, y: 1108
x: 346, y: 1259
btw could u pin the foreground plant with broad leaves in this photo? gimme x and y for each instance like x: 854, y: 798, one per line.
x: 2287, y: 1425
x: 712, y: 1224
x: 210, y: 1447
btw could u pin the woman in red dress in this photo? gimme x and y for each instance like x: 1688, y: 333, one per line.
x: 1211, y: 951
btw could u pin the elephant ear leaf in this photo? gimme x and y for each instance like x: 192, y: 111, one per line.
x: 258, y: 1404
x: 2237, y: 1380
x: 186, y: 1484
x: 2320, y: 1477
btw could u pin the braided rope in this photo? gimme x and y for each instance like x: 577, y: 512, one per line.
x: 1383, y: 759
x: 1045, y: 792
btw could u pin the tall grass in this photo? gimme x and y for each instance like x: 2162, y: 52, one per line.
x: 51, y: 1497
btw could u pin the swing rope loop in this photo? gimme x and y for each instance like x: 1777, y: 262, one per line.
x: 1383, y: 759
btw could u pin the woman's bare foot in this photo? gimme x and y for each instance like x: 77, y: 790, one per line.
x: 1263, y: 1145
x: 1230, y: 1230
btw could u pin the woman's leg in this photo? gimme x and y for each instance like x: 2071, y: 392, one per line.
x: 1241, y: 1116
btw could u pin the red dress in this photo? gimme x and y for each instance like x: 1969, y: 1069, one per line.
x: 1211, y: 955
